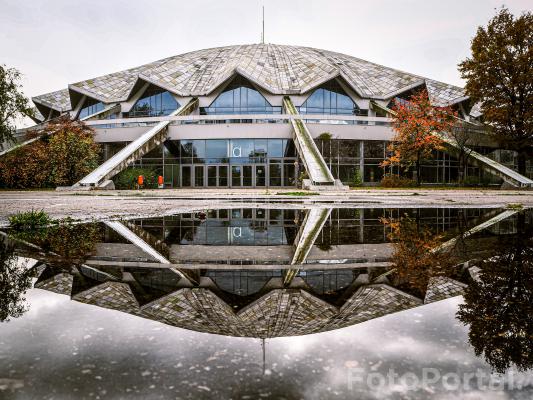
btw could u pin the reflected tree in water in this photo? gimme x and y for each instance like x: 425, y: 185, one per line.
x: 15, y: 279
x: 414, y: 257
x: 66, y: 242
x: 498, y: 306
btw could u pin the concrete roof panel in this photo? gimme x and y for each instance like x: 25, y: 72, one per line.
x: 280, y: 69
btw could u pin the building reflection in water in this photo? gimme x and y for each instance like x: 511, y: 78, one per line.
x: 266, y: 273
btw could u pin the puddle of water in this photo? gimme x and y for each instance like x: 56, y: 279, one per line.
x: 274, y: 303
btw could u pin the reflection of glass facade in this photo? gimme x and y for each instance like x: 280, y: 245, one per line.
x: 240, y: 97
x: 330, y: 99
x: 90, y: 107
x: 267, y: 227
x: 238, y: 227
x: 153, y: 103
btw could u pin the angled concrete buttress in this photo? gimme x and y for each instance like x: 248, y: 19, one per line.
x: 133, y: 151
x: 487, y: 164
x: 487, y: 224
x: 312, y: 225
x: 314, y: 163
x: 128, y: 234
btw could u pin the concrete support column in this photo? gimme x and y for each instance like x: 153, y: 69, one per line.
x: 362, y: 160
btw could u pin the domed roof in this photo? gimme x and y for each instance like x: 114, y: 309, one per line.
x: 278, y: 69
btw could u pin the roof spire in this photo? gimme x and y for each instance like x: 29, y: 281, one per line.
x: 263, y: 31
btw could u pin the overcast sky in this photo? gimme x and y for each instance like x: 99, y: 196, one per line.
x: 57, y: 42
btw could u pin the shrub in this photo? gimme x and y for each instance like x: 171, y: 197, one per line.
x: 127, y: 179
x: 476, y: 181
x: 65, y: 153
x: 298, y: 193
x: 26, y: 167
x: 324, y: 136
x: 73, y: 152
x: 29, y: 220
x: 395, y: 181
x: 357, y: 178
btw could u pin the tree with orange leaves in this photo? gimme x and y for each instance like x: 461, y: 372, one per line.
x: 415, y: 257
x: 415, y: 123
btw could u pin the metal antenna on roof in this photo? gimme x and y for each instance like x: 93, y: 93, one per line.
x: 263, y: 32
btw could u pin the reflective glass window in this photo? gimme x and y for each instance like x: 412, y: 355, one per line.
x: 289, y: 148
x: 153, y: 103
x: 240, y: 97
x: 90, y: 107
x: 260, y: 149
x: 275, y: 147
x: 330, y: 99
x: 242, y: 148
x: 198, y: 149
x: 216, y: 149
x: 374, y: 149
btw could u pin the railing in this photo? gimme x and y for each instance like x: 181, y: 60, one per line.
x: 240, y: 119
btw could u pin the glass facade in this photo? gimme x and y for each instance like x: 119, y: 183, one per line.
x: 345, y: 157
x: 330, y: 99
x: 90, y: 107
x: 154, y: 102
x: 224, y: 162
x: 240, y: 97
x: 274, y: 162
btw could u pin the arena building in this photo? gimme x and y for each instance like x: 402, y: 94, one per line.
x: 260, y: 115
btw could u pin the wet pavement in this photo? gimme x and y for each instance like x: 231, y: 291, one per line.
x: 109, y: 204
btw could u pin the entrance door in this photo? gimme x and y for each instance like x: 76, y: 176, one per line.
x: 217, y: 175
x: 222, y: 175
x: 211, y: 175
x: 186, y: 175
x: 247, y: 176
x: 260, y: 175
x: 199, y: 176
x: 236, y: 172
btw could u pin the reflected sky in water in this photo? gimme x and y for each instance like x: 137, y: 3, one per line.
x: 68, y: 349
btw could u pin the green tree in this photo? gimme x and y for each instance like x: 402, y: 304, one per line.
x: 498, y: 306
x: 26, y: 167
x: 499, y: 75
x: 13, y: 103
x: 65, y: 153
x: 72, y: 150
x: 15, y: 279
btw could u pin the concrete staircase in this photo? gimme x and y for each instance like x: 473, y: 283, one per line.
x: 101, y: 176
x: 320, y: 177
x: 311, y: 227
x: 508, y: 175
x: 140, y: 243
